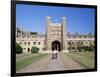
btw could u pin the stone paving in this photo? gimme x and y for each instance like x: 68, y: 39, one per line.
x: 63, y: 62
x: 55, y: 64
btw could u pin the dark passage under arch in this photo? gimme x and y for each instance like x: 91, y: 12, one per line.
x: 28, y: 49
x: 56, y: 46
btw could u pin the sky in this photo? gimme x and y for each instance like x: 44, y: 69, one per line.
x: 33, y: 18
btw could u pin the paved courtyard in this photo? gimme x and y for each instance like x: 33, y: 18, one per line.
x: 63, y: 62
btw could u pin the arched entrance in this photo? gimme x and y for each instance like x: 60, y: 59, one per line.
x: 28, y: 49
x: 56, y: 46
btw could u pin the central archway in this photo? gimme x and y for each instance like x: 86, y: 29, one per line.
x: 56, y: 46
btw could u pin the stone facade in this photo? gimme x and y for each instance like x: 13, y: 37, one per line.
x: 56, y: 32
x: 55, y: 38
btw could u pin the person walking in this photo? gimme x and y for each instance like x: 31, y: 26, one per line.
x: 56, y: 53
x: 53, y: 54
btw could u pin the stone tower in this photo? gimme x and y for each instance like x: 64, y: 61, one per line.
x: 55, y: 35
x: 63, y: 35
x: 48, y: 33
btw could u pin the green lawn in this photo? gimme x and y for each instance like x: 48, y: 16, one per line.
x: 87, y: 59
x: 24, y: 60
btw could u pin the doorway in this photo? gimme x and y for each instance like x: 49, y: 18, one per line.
x: 56, y: 46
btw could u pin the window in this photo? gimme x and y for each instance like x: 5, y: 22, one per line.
x: 69, y: 42
x: 38, y: 43
x: 72, y: 42
x: 34, y: 43
x: 24, y: 43
x: 28, y: 43
x: 42, y: 49
x: 24, y: 48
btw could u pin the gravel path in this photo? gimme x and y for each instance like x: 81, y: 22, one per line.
x: 55, y: 64
x: 63, y: 62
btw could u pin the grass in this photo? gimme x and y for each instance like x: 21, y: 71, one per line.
x: 86, y: 59
x: 28, y: 59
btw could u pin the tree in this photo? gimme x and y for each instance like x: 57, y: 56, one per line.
x: 79, y: 46
x: 18, y: 48
x: 91, y: 47
x: 33, y: 33
x: 90, y: 34
x: 71, y: 46
x: 34, y: 50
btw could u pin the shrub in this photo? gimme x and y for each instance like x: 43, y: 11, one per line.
x: 18, y: 48
x: 90, y: 48
x: 34, y: 50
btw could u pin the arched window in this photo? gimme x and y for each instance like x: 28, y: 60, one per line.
x: 39, y: 43
x: 28, y: 43
x: 69, y: 43
x: 24, y: 48
x: 34, y: 43
x: 24, y: 43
